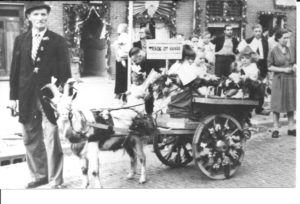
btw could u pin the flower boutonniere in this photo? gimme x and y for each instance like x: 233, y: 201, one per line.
x: 45, y: 38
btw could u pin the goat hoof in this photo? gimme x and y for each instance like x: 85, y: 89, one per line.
x: 85, y: 185
x: 142, y: 180
x: 130, y: 175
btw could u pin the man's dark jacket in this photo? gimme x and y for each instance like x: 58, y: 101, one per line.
x: 52, y: 59
x: 219, y: 42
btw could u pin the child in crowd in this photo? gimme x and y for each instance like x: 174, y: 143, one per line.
x: 207, y: 47
x: 244, y: 68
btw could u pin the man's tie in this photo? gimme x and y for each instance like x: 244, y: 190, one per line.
x: 35, y: 45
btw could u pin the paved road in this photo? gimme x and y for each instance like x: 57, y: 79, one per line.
x: 268, y: 163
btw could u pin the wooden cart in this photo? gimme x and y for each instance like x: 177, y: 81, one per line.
x: 215, y: 139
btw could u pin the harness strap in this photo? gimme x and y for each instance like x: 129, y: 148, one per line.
x: 71, y: 123
x: 113, y: 109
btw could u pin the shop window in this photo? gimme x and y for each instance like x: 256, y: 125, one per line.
x: 8, y: 12
x: 231, y: 8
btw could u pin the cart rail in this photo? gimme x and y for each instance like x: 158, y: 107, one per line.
x: 225, y: 101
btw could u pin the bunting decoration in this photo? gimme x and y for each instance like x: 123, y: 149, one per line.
x: 159, y: 11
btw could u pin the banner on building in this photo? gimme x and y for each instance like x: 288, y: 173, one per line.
x: 164, y: 49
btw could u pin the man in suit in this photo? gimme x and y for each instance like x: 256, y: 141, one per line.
x: 38, y: 55
x: 225, y: 50
x: 260, y: 45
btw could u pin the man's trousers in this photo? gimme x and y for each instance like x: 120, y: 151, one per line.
x: 44, y: 153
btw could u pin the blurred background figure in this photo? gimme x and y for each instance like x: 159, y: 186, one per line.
x: 225, y: 50
x: 208, y: 48
x: 122, y: 46
x: 145, y: 34
x: 194, y: 40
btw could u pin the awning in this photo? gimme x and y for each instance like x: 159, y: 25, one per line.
x: 285, y: 3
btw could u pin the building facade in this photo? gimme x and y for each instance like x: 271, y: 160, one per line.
x: 91, y: 26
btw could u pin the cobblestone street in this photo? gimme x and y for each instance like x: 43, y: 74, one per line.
x: 268, y: 163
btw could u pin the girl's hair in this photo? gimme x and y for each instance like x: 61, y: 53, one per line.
x: 205, y: 33
x: 257, y: 26
x: 279, y: 33
x: 188, y: 52
x: 248, y: 52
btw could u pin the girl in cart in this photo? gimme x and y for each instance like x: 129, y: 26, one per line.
x: 182, y: 74
x: 246, y: 69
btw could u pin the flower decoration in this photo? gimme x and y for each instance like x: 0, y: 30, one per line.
x: 45, y: 38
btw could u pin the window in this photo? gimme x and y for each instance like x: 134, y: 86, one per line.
x: 232, y: 8
x: 8, y: 12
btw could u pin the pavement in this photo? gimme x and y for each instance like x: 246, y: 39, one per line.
x: 263, y: 153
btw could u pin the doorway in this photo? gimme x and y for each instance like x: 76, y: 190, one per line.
x: 10, y: 28
x: 269, y: 22
x: 93, y: 46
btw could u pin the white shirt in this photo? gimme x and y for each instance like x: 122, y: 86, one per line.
x: 251, y: 71
x: 185, y: 72
x: 255, y: 45
x: 42, y: 33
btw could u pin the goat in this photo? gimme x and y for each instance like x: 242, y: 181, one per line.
x: 81, y: 128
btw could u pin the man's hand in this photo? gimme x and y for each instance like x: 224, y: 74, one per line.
x: 13, y: 105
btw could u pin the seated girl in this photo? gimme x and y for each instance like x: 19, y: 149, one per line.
x: 200, y: 67
x: 183, y: 74
x: 245, y: 68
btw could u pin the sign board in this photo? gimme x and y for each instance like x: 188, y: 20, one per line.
x: 164, y: 49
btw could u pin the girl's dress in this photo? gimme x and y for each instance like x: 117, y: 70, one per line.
x: 180, y: 105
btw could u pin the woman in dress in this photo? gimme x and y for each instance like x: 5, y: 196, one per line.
x: 122, y: 46
x: 283, y: 98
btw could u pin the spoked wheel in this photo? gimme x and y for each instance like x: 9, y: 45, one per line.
x: 173, y: 150
x: 218, y: 146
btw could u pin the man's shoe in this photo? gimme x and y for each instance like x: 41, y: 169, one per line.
x: 37, y: 183
x: 58, y: 186
x: 291, y: 132
x: 275, y: 134
x: 263, y: 112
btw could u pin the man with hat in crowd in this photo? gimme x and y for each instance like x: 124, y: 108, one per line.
x: 39, y: 55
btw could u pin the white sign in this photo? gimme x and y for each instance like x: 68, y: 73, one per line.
x: 164, y: 49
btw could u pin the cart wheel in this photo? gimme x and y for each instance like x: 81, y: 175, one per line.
x: 173, y: 150
x: 218, y: 146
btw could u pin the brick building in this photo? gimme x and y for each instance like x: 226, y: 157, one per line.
x: 170, y: 17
